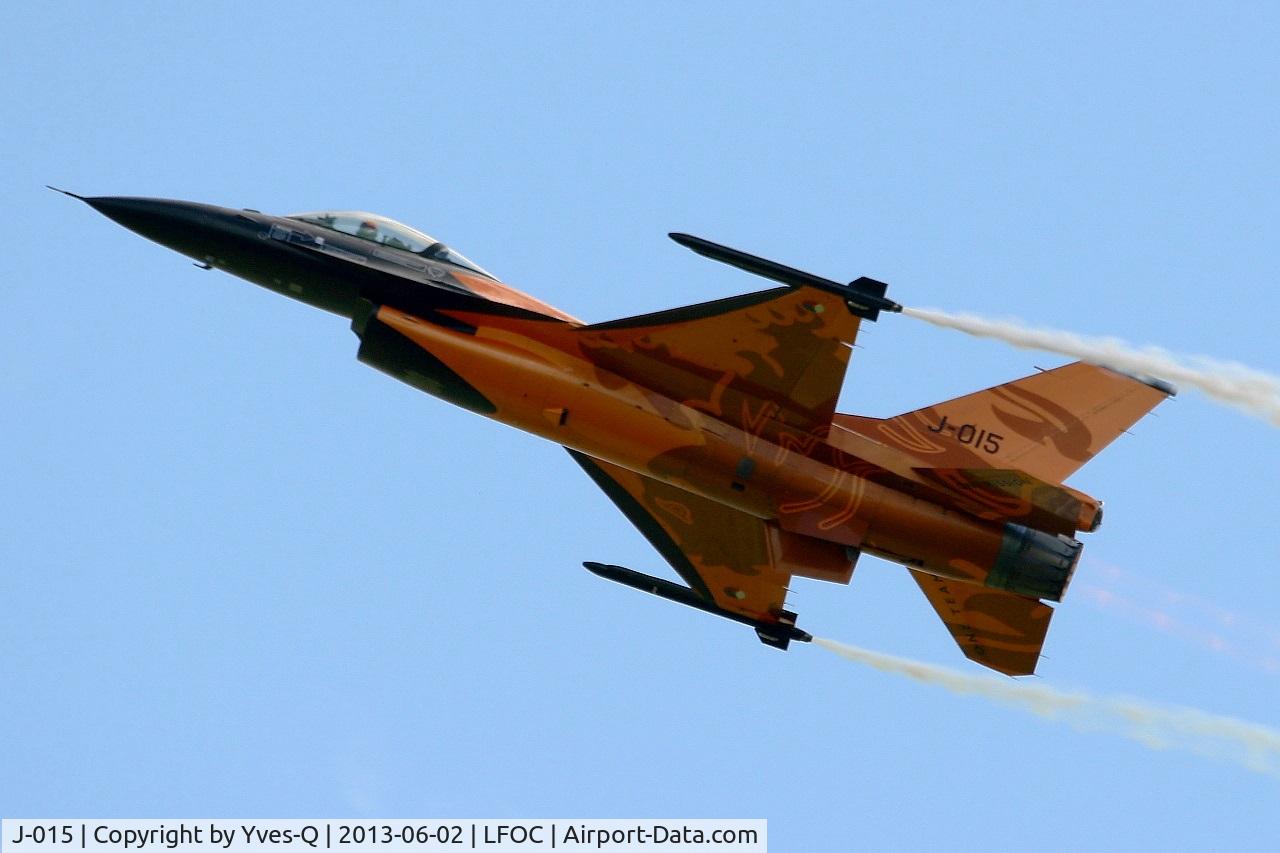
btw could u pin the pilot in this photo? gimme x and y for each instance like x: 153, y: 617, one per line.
x: 367, y: 231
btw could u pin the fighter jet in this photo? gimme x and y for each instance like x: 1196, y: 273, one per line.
x: 713, y: 427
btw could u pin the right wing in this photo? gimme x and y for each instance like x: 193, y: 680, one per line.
x: 998, y: 629
x: 761, y: 361
x: 721, y: 553
x: 736, y: 562
x: 778, y: 354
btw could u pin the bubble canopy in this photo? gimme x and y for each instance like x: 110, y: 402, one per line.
x: 388, y: 232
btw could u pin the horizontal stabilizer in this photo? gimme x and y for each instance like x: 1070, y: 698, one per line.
x: 1000, y: 630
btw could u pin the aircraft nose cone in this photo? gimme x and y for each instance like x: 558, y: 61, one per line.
x: 145, y: 214
x: 183, y: 226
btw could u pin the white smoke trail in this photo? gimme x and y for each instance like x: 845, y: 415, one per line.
x: 1250, y: 745
x: 1146, y: 600
x: 1249, y: 390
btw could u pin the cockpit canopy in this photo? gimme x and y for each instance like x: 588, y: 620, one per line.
x: 388, y: 232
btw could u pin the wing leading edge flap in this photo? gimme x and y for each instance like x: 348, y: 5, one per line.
x: 997, y: 629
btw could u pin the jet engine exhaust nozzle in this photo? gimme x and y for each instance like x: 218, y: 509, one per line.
x: 1034, y: 563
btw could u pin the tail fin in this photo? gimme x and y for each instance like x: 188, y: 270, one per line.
x: 1047, y: 425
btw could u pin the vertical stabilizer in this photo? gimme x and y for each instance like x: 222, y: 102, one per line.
x: 1047, y: 425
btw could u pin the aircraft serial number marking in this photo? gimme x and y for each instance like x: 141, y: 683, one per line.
x: 972, y: 435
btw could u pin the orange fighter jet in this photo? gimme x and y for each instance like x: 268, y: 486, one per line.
x: 713, y: 427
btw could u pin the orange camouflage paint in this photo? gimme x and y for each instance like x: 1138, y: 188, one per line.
x: 715, y: 425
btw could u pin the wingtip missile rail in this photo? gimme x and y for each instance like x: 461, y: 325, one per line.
x: 777, y: 634
x: 864, y: 296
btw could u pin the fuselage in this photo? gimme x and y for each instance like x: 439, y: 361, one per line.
x: 434, y: 320
x: 815, y: 490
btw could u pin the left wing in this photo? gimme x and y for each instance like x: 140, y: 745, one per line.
x: 777, y: 354
x: 736, y: 565
x: 722, y: 554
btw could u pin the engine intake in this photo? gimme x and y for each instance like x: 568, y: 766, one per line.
x: 1034, y: 563
x: 385, y: 349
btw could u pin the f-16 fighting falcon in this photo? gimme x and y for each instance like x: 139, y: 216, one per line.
x: 712, y: 427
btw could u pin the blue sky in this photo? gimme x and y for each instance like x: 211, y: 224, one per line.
x: 245, y: 575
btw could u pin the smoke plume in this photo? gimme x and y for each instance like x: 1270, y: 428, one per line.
x: 1148, y: 601
x: 1227, y: 382
x: 1250, y: 745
